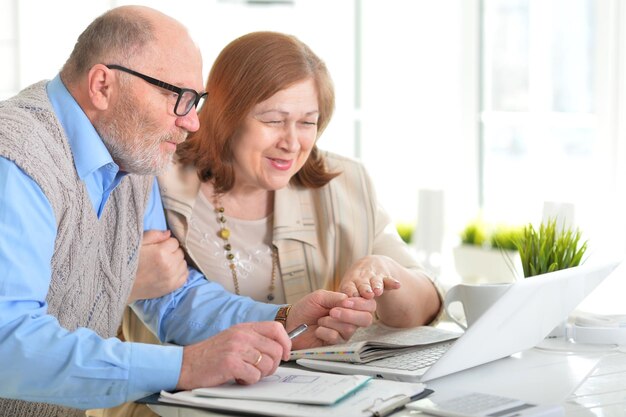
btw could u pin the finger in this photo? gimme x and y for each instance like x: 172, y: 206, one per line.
x: 391, y: 283
x: 333, y: 331
x: 172, y: 246
x: 258, y: 357
x: 349, y: 289
x: 155, y: 236
x: 177, y: 261
x: 360, y: 304
x: 266, y: 365
x: 329, y: 336
x: 358, y: 318
x: 331, y: 299
x: 377, y: 285
x: 273, y: 340
x: 271, y: 350
x: 256, y: 365
x: 365, y: 290
x: 249, y: 375
x: 168, y: 256
x: 262, y: 362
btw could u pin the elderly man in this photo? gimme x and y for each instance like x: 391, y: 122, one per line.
x: 77, y: 159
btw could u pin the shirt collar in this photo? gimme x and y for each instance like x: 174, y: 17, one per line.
x: 87, y: 147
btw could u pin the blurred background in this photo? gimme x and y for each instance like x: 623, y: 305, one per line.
x: 460, y: 109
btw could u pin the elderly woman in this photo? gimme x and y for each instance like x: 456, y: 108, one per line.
x: 260, y: 209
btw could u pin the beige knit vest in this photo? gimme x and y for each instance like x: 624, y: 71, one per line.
x: 95, y: 260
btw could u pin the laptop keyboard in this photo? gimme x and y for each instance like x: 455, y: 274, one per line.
x: 415, y: 359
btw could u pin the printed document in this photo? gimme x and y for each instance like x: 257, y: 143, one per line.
x: 291, y: 385
x: 373, y: 398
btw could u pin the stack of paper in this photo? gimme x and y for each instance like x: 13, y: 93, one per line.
x: 296, y: 392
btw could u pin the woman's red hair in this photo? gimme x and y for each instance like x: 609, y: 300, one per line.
x: 248, y: 71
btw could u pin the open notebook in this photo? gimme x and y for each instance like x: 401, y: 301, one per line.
x: 377, y: 342
x: 525, y: 314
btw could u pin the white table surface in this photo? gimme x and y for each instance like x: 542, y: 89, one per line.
x: 588, y: 380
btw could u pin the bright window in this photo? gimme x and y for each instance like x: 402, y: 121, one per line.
x: 503, y: 104
x: 549, y: 101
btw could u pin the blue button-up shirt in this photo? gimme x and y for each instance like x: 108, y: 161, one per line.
x: 41, y: 361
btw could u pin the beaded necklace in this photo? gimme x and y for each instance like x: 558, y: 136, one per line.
x: 224, y: 234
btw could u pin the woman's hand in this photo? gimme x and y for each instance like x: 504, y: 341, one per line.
x: 404, y: 297
x: 369, y: 277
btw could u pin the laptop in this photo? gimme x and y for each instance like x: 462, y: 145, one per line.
x: 524, y: 315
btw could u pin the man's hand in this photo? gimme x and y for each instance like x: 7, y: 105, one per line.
x: 332, y: 318
x: 245, y: 353
x: 162, y: 267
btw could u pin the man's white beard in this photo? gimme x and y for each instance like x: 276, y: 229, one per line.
x: 134, y: 141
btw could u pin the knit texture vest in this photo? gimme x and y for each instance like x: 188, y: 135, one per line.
x: 95, y: 260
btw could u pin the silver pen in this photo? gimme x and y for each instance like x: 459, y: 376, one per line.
x: 297, y: 331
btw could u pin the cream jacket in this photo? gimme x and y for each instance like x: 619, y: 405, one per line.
x: 319, y: 233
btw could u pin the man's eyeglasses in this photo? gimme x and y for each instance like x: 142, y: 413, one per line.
x: 187, y: 98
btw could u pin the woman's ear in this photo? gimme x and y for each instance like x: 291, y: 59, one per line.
x: 101, y: 85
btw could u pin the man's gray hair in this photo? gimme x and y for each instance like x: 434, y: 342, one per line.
x: 113, y: 38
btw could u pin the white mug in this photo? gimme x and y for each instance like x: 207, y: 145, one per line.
x: 475, y: 299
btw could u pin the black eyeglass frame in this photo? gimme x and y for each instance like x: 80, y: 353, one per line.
x: 178, y: 90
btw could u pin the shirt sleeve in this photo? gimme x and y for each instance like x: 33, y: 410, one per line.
x: 41, y: 360
x: 200, y: 308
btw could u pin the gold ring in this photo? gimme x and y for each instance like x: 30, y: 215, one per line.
x: 258, y: 361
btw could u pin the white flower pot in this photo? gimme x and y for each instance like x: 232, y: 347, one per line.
x: 482, y: 265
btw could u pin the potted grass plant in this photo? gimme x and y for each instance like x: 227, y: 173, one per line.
x: 550, y: 248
